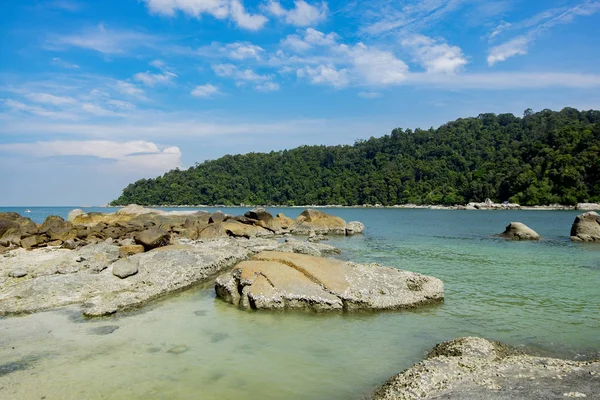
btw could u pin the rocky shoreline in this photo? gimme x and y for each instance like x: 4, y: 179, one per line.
x: 480, y: 369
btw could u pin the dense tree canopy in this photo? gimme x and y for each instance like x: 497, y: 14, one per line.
x: 543, y: 158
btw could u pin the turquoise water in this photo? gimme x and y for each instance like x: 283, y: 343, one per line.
x: 543, y: 296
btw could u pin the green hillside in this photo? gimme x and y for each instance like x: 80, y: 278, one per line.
x: 542, y: 158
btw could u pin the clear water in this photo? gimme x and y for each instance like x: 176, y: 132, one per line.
x: 544, y: 296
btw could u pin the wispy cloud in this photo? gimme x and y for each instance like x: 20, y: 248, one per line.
x: 150, y: 79
x: 302, y: 14
x: 369, y: 95
x: 205, y: 91
x: 219, y: 9
x: 101, y: 39
x: 534, y: 27
x: 57, y: 61
x: 325, y: 74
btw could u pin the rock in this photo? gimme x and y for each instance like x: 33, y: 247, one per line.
x: 354, y: 227
x: 320, y: 222
x: 178, y: 349
x: 519, y: 231
x: 153, y: 238
x: 588, y: 206
x: 57, y: 228
x: 70, y: 245
x: 216, y: 217
x: 104, y: 330
x: 9, y: 228
x: 263, y: 218
x: 125, y: 268
x: 29, y: 242
x: 212, y: 232
x: 276, y: 280
x: 586, y: 227
x: 10, y: 240
x: 238, y: 229
x: 18, y: 273
x: 74, y: 214
x: 476, y: 368
x: 126, y: 251
x: 55, y: 243
x: 312, y: 249
x: 283, y: 221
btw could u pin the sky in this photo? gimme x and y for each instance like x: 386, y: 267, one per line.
x: 97, y: 94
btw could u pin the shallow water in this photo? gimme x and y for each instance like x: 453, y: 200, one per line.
x: 543, y: 296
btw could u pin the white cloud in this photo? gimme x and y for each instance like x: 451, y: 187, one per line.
x: 102, y: 40
x: 129, y: 89
x: 516, y: 46
x: 231, y: 71
x: 97, y: 110
x: 325, y: 74
x: 435, y: 56
x: 206, y: 90
x: 150, y: 79
x: 45, y: 98
x: 126, y: 155
x: 243, y: 51
x: 57, y: 61
x: 369, y: 95
x: 376, y: 67
x: 267, y: 87
x: 311, y: 37
x: 303, y: 14
x: 158, y: 64
x: 220, y: 9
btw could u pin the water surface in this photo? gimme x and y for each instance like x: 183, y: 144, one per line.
x: 540, y: 295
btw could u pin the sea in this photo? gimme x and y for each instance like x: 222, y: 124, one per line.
x: 542, y: 297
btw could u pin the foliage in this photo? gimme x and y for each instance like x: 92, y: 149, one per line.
x: 543, y: 158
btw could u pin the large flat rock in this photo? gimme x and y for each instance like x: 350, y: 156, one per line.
x: 279, y: 280
x: 94, y: 276
x: 480, y: 369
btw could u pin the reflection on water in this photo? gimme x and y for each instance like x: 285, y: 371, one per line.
x: 192, y: 346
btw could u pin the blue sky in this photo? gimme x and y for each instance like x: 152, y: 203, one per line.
x: 97, y: 94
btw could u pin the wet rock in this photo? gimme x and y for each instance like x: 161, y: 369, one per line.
x: 479, y: 369
x: 153, y: 238
x: 126, y: 251
x: 18, y: 273
x: 125, y: 268
x: 104, y: 330
x: 519, y: 231
x: 276, y: 280
x: 586, y: 227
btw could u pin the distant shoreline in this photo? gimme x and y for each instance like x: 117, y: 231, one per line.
x: 470, y: 206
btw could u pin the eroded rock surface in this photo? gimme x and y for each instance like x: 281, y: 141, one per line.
x: 586, y: 227
x: 480, y: 369
x: 519, y: 231
x: 95, y: 277
x: 277, y: 280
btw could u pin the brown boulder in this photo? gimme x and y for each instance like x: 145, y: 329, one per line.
x: 519, y: 231
x: 283, y: 221
x: 320, y: 222
x: 211, y: 232
x: 237, y: 229
x: 29, y: 242
x: 9, y: 228
x: 217, y: 217
x: 126, y: 251
x: 153, y: 238
x: 586, y: 227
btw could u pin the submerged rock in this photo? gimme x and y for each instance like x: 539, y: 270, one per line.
x: 276, y: 280
x: 519, y: 231
x: 586, y: 227
x: 476, y: 368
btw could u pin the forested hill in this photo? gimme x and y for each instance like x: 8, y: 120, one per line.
x: 543, y: 158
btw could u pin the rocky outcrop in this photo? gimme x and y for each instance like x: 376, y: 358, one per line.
x: 475, y: 368
x: 519, y: 231
x: 354, y: 227
x: 276, y: 280
x: 586, y: 227
x: 103, y: 283
x: 490, y: 205
x: 588, y: 206
x: 318, y: 221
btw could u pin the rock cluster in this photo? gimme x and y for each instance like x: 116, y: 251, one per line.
x: 276, y: 280
x: 519, y: 231
x: 586, y: 227
x: 476, y: 368
x: 150, y: 228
